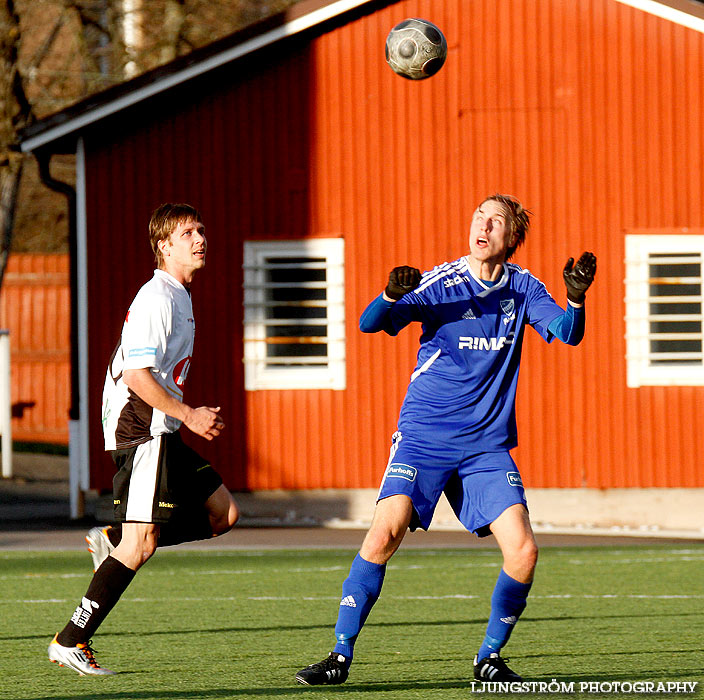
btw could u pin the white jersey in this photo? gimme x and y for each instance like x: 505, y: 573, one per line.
x: 158, y: 334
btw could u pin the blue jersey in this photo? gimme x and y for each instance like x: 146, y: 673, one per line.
x: 462, y: 392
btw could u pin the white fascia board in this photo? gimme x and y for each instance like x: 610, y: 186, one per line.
x: 664, y: 11
x: 291, y: 28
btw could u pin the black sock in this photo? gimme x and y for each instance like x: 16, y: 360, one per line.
x: 108, y: 584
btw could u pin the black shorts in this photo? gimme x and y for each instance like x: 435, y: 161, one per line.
x: 159, y: 479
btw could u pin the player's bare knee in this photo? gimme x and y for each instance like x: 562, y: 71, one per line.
x: 135, y: 554
x: 380, y: 544
x: 520, y: 562
x: 226, y: 520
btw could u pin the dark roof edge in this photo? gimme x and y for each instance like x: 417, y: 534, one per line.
x: 296, y: 19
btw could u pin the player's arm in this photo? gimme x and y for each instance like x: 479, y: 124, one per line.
x: 377, y: 316
x: 203, y: 421
x: 569, y: 328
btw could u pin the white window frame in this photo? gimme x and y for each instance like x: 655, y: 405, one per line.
x: 639, y: 248
x: 263, y: 372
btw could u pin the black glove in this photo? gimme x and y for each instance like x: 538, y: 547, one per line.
x: 402, y: 280
x: 578, y: 278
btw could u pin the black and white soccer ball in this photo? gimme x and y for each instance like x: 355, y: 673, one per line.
x: 416, y: 49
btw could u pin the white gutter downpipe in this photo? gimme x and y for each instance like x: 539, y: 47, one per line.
x: 78, y: 450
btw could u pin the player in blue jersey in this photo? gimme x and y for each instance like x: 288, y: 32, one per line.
x: 458, y: 423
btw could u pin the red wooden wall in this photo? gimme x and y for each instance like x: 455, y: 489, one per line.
x: 590, y: 112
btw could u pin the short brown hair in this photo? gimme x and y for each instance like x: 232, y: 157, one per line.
x: 518, y: 218
x: 164, y: 220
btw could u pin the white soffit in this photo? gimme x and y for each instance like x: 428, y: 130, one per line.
x: 669, y: 12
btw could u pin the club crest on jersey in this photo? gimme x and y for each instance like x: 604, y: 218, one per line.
x: 508, y: 306
x: 514, y: 479
x: 402, y: 471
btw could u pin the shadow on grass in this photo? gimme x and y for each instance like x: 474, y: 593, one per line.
x: 350, y: 689
x: 326, y: 627
x: 293, y: 689
x: 625, y: 652
x: 329, y: 625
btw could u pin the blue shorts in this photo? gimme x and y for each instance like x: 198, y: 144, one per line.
x: 479, y: 486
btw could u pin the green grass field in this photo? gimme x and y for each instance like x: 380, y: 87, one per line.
x: 228, y: 624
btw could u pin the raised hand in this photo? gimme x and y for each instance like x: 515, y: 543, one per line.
x: 402, y: 280
x: 579, y: 277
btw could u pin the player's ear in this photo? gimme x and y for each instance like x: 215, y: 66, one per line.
x: 163, y: 244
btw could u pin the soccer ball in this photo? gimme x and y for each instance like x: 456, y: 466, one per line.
x: 416, y: 49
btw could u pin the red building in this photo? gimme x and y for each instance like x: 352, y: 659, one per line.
x: 317, y: 170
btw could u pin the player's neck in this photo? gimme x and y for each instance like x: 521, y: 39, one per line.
x: 486, y: 270
x: 180, y: 274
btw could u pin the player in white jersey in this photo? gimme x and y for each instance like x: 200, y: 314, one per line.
x: 162, y: 306
x: 164, y: 492
x: 457, y: 422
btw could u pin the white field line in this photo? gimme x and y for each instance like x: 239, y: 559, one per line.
x: 267, y: 599
x: 652, y: 560
x: 188, y: 552
x: 675, y: 556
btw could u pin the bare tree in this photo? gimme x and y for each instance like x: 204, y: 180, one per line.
x: 16, y: 115
x: 56, y: 52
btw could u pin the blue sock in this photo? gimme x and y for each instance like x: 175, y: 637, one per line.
x: 359, y: 593
x: 507, y: 603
